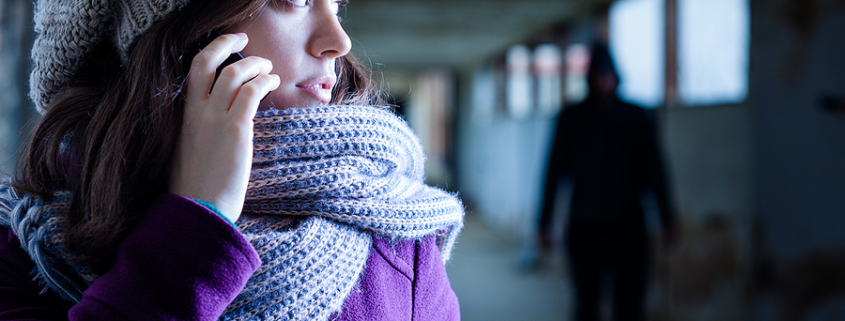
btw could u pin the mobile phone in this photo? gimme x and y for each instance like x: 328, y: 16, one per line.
x: 201, y: 43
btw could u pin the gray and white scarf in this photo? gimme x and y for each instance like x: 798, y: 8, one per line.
x: 323, y: 180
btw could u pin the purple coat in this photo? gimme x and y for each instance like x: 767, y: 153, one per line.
x: 182, y: 261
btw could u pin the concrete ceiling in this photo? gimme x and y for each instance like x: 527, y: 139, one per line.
x: 424, y: 33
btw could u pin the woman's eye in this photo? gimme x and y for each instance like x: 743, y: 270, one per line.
x: 337, y: 7
x: 298, y: 3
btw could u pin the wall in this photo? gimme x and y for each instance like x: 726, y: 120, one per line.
x: 705, y: 275
x: 708, y: 153
x: 15, y: 43
x: 500, y: 158
x: 797, y: 55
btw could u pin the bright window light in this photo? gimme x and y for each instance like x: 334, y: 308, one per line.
x: 636, y: 30
x: 519, y: 82
x: 713, y: 41
x: 547, y: 67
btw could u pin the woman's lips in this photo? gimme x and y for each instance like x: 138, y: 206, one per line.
x: 320, y: 88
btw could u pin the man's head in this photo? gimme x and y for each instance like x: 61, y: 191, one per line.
x: 602, y: 76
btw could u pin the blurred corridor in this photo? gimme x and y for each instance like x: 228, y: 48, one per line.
x: 749, y: 101
x: 491, y: 286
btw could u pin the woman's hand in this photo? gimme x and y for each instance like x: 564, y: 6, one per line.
x: 214, y: 152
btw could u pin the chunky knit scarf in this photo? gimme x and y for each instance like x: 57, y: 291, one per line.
x: 323, y: 180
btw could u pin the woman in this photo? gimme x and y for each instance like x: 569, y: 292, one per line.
x: 143, y: 160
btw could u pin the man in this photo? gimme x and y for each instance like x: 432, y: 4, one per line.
x: 608, y: 149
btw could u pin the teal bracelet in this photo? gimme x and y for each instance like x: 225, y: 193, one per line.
x: 215, y: 210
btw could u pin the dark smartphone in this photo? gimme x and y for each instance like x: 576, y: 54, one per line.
x: 201, y: 43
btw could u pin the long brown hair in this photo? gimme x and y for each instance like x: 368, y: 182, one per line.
x: 109, y: 135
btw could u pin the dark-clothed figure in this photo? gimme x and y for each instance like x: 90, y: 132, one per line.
x: 608, y: 149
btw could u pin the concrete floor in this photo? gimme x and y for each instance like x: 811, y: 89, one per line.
x: 490, y: 285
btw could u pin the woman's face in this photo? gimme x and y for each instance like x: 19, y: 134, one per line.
x: 302, y: 38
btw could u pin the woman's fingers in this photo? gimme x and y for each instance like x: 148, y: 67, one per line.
x: 214, y: 152
x: 246, y: 102
x: 205, y: 63
x: 237, y: 75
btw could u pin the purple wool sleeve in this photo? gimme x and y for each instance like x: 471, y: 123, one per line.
x: 403, y: 280
x: 181, y: 261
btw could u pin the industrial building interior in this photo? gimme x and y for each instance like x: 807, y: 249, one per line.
x: 749, y: 98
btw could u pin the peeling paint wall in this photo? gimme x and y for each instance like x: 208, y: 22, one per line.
x: 798, y: 158
x: 705, y: 275
x: 799, y: 150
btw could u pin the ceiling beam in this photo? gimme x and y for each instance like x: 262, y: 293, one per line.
x: 416, y: 33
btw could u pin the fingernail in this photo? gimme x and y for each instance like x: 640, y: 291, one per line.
x: 241, y: 34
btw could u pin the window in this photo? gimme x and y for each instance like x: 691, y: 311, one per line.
x: 712, y: 50
x: 519, y: 81
x: 636, y: 41
x: 547, y: 68
x: 577, y: 64
x: 713, y: 41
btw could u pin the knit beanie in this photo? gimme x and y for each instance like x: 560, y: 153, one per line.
x: 601, y: 61
x: 68, y: 30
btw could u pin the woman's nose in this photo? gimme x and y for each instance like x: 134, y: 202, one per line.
x: 328, y: 39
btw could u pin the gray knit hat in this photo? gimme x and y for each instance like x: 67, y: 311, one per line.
x: 70, y: 29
